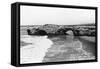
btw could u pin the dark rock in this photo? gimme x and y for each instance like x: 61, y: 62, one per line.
x: 51, y: 29
x: 61, y: 32
x: 36, y: 32
x: 40, y: 32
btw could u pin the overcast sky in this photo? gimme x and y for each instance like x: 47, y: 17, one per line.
x: 33, y: 15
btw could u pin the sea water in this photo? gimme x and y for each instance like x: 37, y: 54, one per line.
x: 55, y: 48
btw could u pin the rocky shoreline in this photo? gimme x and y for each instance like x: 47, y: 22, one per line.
x: 51, y: 29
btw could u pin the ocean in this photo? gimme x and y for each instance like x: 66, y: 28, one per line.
x: 38, y: 49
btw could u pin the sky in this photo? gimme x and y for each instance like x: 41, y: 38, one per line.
x: 36, y: 15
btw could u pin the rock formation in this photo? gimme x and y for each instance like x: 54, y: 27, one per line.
x: 50, y: 29
x: 70, y: 32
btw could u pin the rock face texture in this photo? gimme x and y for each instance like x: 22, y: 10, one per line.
x: 70, y: 32
x: 50, y: 29
x: 37, y: 32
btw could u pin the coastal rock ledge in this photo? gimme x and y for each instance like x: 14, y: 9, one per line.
x: 50, y: 29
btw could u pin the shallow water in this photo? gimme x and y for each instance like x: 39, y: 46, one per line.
x: 35, y: 49
x: 70, y: 48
